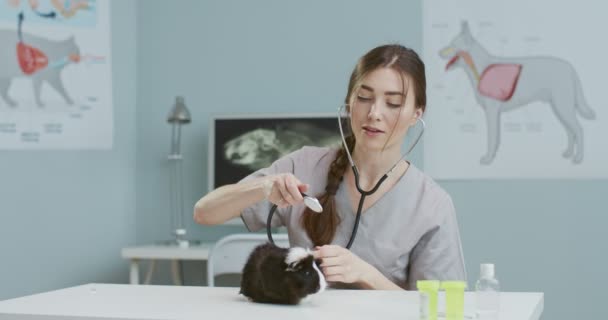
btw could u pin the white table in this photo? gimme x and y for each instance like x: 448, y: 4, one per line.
x: 119, y: 301
x: 163, y: 252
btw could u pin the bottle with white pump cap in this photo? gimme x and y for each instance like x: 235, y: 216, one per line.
x: 487, y: 291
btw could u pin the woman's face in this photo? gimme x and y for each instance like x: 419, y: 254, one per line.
x: 382, y: 109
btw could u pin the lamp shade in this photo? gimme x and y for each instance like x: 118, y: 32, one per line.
x: 179, y: 113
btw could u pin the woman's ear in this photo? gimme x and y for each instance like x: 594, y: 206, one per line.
x: 417, y: 114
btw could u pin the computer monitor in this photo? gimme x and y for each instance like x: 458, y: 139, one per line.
x: 241, y: 144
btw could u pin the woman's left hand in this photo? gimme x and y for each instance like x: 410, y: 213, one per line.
x: 340, y: 264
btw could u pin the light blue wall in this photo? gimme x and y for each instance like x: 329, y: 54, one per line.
x: 542, y: 235
x: 64, y: 215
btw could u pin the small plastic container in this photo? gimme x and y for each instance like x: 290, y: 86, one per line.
x: 487, y: 293
x: 428, y: 298
x: 454, y: 299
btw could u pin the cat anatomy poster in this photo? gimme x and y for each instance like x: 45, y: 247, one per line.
x: 513, y: 95
x: 55, y: 75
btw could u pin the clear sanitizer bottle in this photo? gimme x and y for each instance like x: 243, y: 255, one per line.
x: 487, y: 291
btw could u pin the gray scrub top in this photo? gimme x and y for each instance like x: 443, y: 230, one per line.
x: 409, y: 234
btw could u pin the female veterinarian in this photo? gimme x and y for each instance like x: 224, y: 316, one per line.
x: 408, y: 229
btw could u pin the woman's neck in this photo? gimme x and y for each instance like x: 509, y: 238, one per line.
x: 373, y: 165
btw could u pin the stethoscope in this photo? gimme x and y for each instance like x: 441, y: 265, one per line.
x: 314, y: 204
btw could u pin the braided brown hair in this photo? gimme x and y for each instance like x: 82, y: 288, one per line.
x: 321, y: 228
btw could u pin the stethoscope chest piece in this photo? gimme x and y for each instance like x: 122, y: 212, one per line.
x: 312, y: 203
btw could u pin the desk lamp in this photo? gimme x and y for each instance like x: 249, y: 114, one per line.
x: 178, y: 116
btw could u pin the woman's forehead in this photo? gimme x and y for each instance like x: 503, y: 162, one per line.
x: 386, y: 80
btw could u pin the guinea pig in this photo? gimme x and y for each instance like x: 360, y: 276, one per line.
x: 280, y: 275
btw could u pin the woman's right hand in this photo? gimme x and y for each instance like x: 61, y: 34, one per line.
x: 284, y: 189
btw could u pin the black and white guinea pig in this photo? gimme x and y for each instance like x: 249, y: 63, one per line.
x: 280, y: 275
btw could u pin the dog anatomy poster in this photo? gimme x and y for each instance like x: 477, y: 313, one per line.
x: 55, y: 75
x: 514, y: 90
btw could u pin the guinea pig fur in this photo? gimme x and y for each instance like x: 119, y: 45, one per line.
x: 280, y: 275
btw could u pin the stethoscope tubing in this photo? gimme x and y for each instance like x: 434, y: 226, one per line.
x: 364, y: 193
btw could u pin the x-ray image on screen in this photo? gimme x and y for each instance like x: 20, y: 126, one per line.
x: 243, y: 145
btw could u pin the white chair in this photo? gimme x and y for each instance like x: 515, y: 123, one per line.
x: 230, y: 253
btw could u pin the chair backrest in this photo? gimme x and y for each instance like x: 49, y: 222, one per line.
x: 230, y: 253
